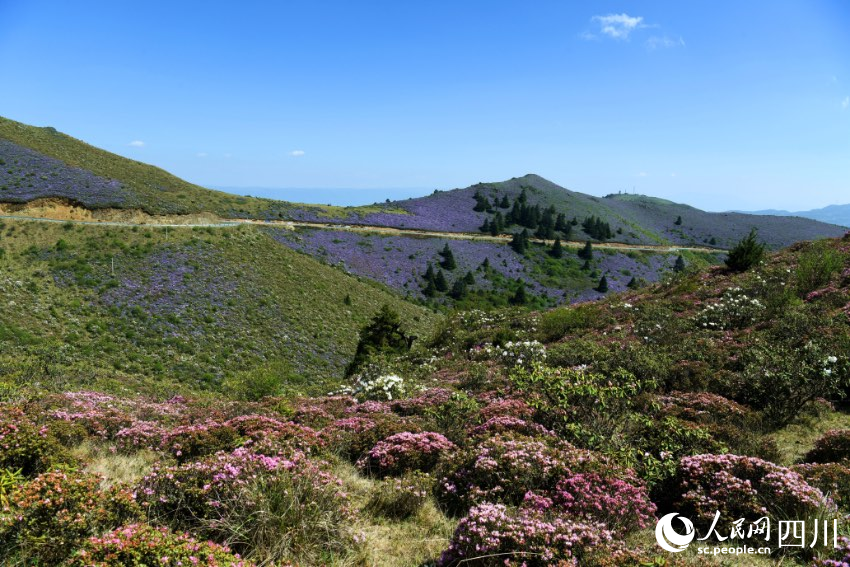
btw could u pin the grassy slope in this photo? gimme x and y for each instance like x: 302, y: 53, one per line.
x: 153, y: 190
x: 188, y: 306
x: 642, y: 219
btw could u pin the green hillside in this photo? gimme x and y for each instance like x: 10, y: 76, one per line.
x: 199, y: 307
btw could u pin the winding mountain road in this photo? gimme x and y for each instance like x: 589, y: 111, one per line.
x: 374, y: 229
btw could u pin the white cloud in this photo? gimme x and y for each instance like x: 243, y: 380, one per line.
x: 663, y: 42
x: 673, y: 174
x: 201, y: 154
x: 296, y: 153
x: 845, y: 103
x: 618, y: 26
x: 642, y: 174
x: 137, y: 144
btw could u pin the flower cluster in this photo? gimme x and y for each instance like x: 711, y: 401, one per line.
x: 743, y: 487
x: 404, y: 452
x: 53, y: 513
x: 493, y: 534
x: 23, y: 445
x: 505, y: 469
x: 141, y: 544
x: 506, y: 424
x: 735, y: 310
x: 833, y: 479
x: 519, y: 353
x: 622, y: 505
x: 386, y: 387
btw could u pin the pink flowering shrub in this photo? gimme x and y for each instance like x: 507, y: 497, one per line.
x: 24, y: 445
x: 404, y: 452
x: 704, y: 407
x: 510, y: 407
x: 268, y: 508
x: 284, y: 434
x: 494, y: 535
x: 504, y: 469
x: 832, y: 447
x: 189, y: 442
x: 50, y: 515
x: 142, y: 544
x: 742, y: 487
x: 839, y: 557
x: 139, y: 435
x: 420, y: 404
x: 508, y: 424
x: 352, y: 437
x: 622, y: 505
x: 833, y: 479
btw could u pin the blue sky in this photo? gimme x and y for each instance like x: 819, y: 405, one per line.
x: 723, y: 105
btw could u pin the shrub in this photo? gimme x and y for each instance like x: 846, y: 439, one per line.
x: 735, y: 310
x: 382, y: 335
x: 513, y: 353
x: 400, y: 498
x: 23, y: 445
x: 493, y: 535
x: 833, y: 479
x: 189, y: 442
x: 405, y: 452
x: 352, y: 437
x: 384, y: 387
x: 49, y: 516
x: 742, y: 487
x: 268, y: 508
x: 508, y: 424
x: 746, y: 253
x: 141, y: 544
x: 815, y: 267
x: 621, y: 504
x: 504, y: 469
x: 832, y: 447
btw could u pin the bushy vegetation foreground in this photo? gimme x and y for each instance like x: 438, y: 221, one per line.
x: 507, y: 438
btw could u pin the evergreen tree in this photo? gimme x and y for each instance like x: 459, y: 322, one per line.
x: 557, y: 251
x: 603, y: 285
x: 485, y: 228
x: 633, y: 283
x: 482, y: 203
x: 448, y: 262
x: 469, y: 279
x: 497, y: 226
x: 430, y: 289
x: 381, y: 335
x: 586, y: 266
x: 561, y: 222
x: 746, y: 254
x: 574, y: 222
x: 713, y: 241
x: 586, y: 253
x: 678, y: 221
x: 519, y: 242
x: 429, y: 273
x: 523, y: 197
x: 458, y: 289
x: 679, y: 266
x: 486, y: 263
x: 504, y: 203
x: 440, y: 282
x: 519, y: 297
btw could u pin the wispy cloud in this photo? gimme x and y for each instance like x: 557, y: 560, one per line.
x: 617, y: 26
x: 296, y: 153
x: 137, y: 144
x: 664, y: 42
x: 642, y: 174
x: 845, y: 103
x: 201, y: 154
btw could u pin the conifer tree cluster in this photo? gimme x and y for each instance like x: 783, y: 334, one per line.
x: 596, y: 228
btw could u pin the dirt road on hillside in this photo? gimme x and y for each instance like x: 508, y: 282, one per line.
x: 174, y: 221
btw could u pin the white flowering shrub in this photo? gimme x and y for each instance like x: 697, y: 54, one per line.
x: 735, y: 310
x: 380, y: 388
x: 519, y: 353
